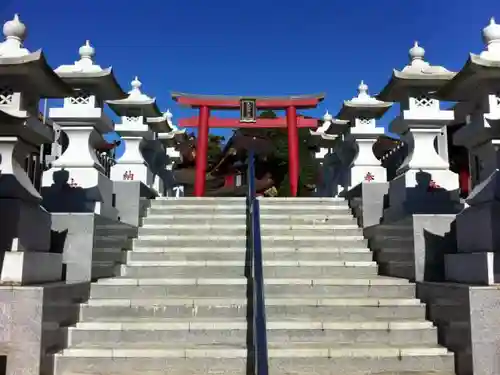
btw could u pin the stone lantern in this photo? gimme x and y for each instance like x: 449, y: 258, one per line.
x: 25, y: 233
x: 84, y: 122
x: 424, y: 181
x: 139, y: 162
x: 329, y: 138
x: 363, y: 111
x: 170, y: 140
x: 477, y: 85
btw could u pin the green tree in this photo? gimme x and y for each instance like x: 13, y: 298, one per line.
x: 307, y: 163
x: 214, y: 148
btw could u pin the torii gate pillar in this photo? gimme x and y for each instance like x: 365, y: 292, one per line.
x: 201, y: 152
x: 293, y: 150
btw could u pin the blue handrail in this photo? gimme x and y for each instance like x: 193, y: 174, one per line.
x: 256, y: 276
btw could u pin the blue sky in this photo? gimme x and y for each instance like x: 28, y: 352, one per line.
x: 259, y: 47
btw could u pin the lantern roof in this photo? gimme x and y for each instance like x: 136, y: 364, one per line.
x: 418, y: 75
x: 480, y: 70
x: 363, y: 105
x: 136, y: 101
x: 24, y: 71
x: 165, y: 125
x: 331, y: 128
x: 84, y: 74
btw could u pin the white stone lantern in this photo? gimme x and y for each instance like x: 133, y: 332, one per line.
x: 170, y: 139
x: 138, y: 162
x: 83, y: 120
x: 25, y: 233
x: 477, y: 87
x: 424, y: 175
x: 329, y: 137
x: 363, y: 111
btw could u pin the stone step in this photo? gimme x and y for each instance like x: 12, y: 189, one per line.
x: 301, y: 199
x: 162, y: 254
x: 276, y: 229
x: 200, y: 209
x: 117, y: 242
x: 292, y: 241
x: 386, y: 255
x: 230, y: 360
x: 241, y: 208
x: 130, y: 288
x: 306, y: 209
x: 176, y: 241
x: 405, y: 270
x: 204, y: 218
x: 115, y: 230
x: 109, y: 255
x: 233, y: 269
x: 403, y: 229
x: 192, y: 230
x: 197, y: 201
x: 104, y: 269
x: 382, y: 242
x: 234, y: 332
x: 345, y: 242
x: 336, y: 309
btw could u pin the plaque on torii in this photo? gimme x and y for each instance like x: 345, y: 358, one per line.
x: 249, y: 108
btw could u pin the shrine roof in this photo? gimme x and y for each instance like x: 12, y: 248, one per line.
x: 232, y: 102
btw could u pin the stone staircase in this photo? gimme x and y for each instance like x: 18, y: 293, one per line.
x: 179, y: 305
x: 328, y: 310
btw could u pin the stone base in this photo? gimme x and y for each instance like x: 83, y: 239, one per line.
x: 130, y: 200
x: 88, y: 243
x: 477, y: 228
x: 468, y: 321
x: 24, y: 226
x: 372, y: 195
x: 23, y: 268
x: 473, y: 268
x: 363, y: 173
x: 410, y: 193
x: 78, y: 190
x: 33, y: 321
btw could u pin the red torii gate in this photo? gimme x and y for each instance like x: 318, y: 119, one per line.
x: 248, y: 107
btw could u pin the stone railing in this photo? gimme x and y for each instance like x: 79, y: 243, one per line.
x: 392, y: 159
x: 106, y: 161
x: 34, y: 166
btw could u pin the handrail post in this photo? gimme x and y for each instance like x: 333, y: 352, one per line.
x: 256, y: 274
